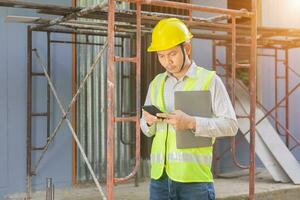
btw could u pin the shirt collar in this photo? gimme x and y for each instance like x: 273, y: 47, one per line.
x: 191, y: 72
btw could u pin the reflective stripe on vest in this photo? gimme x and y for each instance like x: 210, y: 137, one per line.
x: 182, y: 157
x: 183, y: 165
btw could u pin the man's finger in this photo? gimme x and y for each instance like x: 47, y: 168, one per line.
x: 162, y: 115
x: 169, y: 121
x: 174, y: 113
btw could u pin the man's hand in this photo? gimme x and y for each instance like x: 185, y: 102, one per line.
x: 179, y: 120
x: 150, y: 119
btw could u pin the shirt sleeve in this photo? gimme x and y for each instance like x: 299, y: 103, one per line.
x: 149, y: 131
x: 224, y: 122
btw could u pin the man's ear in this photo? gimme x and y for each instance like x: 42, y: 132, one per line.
x: 188, y: 49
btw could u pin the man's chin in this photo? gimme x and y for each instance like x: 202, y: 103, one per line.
x: 172, y: 71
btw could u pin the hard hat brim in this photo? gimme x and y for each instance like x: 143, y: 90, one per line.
x: 152, y: 48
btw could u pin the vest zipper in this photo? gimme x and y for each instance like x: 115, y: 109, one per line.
x: 166, y: 144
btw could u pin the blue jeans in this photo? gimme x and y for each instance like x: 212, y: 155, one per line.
x: 166, y: 189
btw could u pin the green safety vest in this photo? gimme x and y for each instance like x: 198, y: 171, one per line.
x: 182, y: 165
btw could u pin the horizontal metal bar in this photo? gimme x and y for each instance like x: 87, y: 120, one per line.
x: 159, y: 14
x: 218, y: 18
x: 37, y: 148
x: 128, y: 113
x: 222, y: 65
x: 280, y: 77
x: 128, y: 77
x: 100, y: 28
x: 86, y: 43
x: 39, y: 114
x: 81, y: 32
x: 270, y: 55
x: 242, y: 65
x: 125, y: 59
x: 188, y: 6
x: 125, y: 119
x: 243, y: 116
x: 81, y: 13
x: 71, y: 42
x: 281, y: 106
x: 38, y: 74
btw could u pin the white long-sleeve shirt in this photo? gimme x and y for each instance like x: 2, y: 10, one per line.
x: 224, y: 122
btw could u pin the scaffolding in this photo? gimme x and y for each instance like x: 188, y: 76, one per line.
x: 135, y: 23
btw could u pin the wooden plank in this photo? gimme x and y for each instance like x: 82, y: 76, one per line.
x: 25, y: 19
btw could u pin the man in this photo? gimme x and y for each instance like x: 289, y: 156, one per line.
x: 182, y: 173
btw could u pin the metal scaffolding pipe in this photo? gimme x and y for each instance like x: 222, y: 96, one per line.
x: 188, y: 6
x: 74, y: 15
x: 110, y: 99
x: 269, y: 113
x: 98, y: 27
x: 287, y: 102
x: 70, y: 125
x: 73, y: 42
x: 252, y: 87
x: 165, y: 15
x: 138, y: 98
x: 233, y: 60
x: 193, y: 22
x: 29, y: 113
x: 218, y: 18
x: 65, y: 115
x: 82, y: 32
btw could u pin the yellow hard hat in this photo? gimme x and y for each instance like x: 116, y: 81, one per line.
x: 169, y: 33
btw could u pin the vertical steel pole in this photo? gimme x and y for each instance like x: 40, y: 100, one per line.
x: 48, y: 87
x: 74, y: 107
x: 110, y: 103
x: 252, y: 100
x: 214, y: 56
x: 276, y: 87
x: 138, y: 82
x: 227, y: 67
x: 287, y: 142
x: 214, y: 68
x: 49, y: 189
x: 233, y: 59
x: 29, y: 111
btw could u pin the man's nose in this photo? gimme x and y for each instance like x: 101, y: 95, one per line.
x: 170, y: 61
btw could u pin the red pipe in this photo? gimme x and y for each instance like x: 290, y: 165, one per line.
x: 110, y: 104
x: 138, y: 98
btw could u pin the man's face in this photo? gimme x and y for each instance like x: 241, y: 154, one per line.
x: 171, y: 59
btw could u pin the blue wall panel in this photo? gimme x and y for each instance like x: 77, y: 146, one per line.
x: 3, y: 104
x: 13, y: 101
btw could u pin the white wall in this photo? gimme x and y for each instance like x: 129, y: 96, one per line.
x: 282, y: 13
